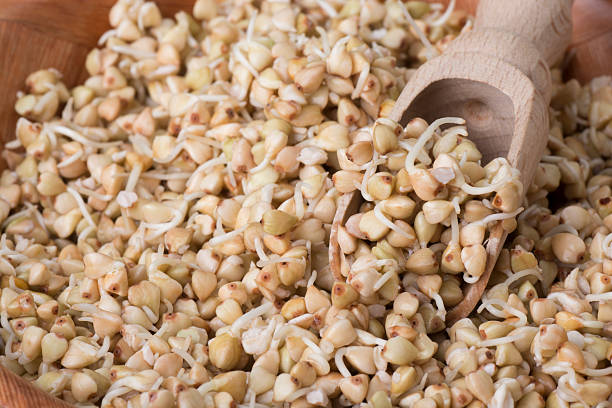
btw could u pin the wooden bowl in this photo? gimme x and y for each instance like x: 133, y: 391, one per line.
x: 48, y: 33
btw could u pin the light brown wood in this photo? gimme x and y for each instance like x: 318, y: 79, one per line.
x: 15, y: 392
x: 521, y: 38
x: 591, y: 47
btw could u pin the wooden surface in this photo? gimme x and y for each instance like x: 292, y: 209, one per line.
x: 18, y: 393
x: 39, y: 34
x: 591, y: 47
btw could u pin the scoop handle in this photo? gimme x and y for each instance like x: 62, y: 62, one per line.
x: 528, y: 34
x: 547, y: 24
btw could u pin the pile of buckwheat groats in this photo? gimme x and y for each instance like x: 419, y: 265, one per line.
x: 165, y: 225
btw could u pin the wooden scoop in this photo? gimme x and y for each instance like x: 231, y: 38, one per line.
x: 495, y: 76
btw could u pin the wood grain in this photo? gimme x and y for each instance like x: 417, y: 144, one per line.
x: 520, y: 38
x: 18, y: 40
x: 15, y: 392
x: 591, y: 47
